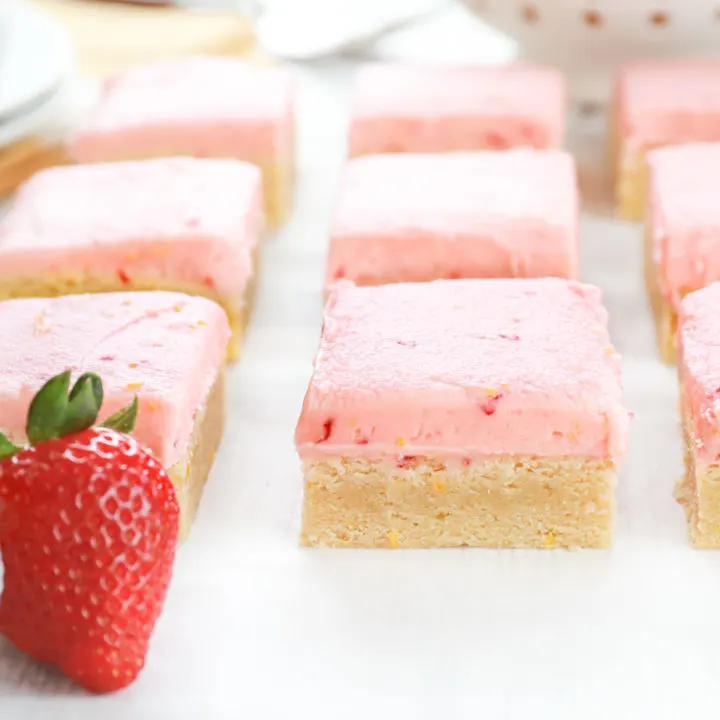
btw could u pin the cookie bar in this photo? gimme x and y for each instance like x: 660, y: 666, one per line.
x: 659, y: 103
x: 699, y: 369
x: 171, y: 224
x: 166, y: 348
x: 682, y: 232
x: 200, y: 106
x: 408, y: 217
x: 463, y: 412
x: 438, y: 108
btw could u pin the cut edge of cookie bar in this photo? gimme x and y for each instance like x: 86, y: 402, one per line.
x: 501, y: 502
x: 190, y: 473
x: 664, y: 313
x: 699, y: 493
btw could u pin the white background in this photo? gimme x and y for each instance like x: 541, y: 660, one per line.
x: 256, y: 627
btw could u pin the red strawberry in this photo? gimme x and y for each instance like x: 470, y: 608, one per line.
x: 88, y: 528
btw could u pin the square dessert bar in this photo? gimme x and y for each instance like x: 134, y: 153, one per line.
x: 699, y: 368
x: 407, y: 217
x: 166, y: 348
x: 658, y: 103
x: 462, y: 412
x: 682, y: 243
x: 201, y: 107
x: 174, y: 224
x: 425, y: 108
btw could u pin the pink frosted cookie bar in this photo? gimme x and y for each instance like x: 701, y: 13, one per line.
x: 424, y: 108
x: 682, y: 231
x: 166, y: 348
x: 407, y: 217
x: 201, y: 107
x: 658, y: 103
x: 699, y: 368
x: 464, y: 412
x: 172, y: 224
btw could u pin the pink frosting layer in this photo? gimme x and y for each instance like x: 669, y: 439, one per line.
x: 166, y: 348
x: 180, y: 219
x: 465, y: 368
x: 411, y: 217
x: 699, y: 346
x: 662, y: 102
x: 200, y: 106
x: 421, y: 108
x: 684, y: 217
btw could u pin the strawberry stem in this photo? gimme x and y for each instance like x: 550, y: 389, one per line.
x: 54, y: 412
x: 48, y: 408
x: 7, y: 449
x: 124, y: 420
x: 84, y: 404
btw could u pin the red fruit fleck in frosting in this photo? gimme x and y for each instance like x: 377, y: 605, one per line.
x: 489, y: 404
x: 326, y: 430
x: 88, y: 529
x: 408, y: 461
x: 124, y: 277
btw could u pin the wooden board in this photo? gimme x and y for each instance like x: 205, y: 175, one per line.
x: 113, y: 36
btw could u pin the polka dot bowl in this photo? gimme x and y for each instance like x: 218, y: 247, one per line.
x: 590, y: 39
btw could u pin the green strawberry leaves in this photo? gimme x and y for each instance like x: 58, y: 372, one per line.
x: 7, y: 448
x: 57, y: 410
x: 54, y: 413
x: 124, y: 420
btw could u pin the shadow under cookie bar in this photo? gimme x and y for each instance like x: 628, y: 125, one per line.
x: 504, y: 502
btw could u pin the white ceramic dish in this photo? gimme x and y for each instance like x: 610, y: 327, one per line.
x: 35, y: 56
x: 589, y: 39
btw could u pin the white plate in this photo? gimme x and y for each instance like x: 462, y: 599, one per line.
x: 35, y: 55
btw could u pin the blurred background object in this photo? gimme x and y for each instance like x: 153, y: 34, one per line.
x: 110, y: 36
x: 590, y: 39
x: 587, y: 39
x: 48, y: 49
